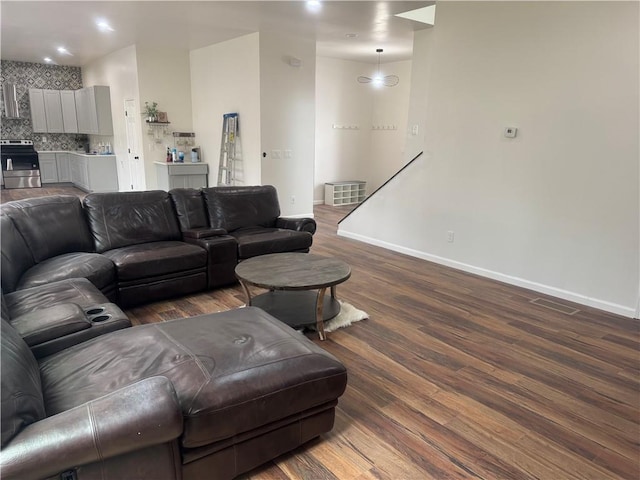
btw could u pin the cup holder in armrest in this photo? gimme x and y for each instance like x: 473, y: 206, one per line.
x: 97, y: 314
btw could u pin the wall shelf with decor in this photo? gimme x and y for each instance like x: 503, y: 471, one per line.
x: 158, y: 130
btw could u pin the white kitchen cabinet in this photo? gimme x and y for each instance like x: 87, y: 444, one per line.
x: 36, y: 104
x: 94, y: 173
x: 53, y: 111
x: 93, y: 110
x: 82, y: 111
x: 64, y: 171
x: 69, y: 118
x: 48, y: 168
x: 78, y: 171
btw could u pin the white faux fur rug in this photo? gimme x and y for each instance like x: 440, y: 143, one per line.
x: 348, y: 315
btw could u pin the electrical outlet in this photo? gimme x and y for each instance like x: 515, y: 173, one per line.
x: 293, y: 199
x: 450, y: 236
x: 44, y: 139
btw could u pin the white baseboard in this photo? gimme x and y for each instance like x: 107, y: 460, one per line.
x: 520, y: 282
x: 318, y: 202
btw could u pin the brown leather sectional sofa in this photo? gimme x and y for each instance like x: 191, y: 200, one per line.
x: 85, y: 396
x: 138, y: 247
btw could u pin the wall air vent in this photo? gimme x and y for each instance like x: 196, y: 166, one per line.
x: 558, y: 307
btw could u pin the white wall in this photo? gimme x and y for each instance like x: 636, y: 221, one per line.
x: 164, y: 77
x: 119, y: 71
x: 390, y: 108
x: 363, y: 153
x: 287, y: 119
x: 420, y: 74
x: 341, y: 154
x: 225, y: 78
x: 555, y: 209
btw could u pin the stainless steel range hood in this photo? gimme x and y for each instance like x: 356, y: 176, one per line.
x: 10, y: 99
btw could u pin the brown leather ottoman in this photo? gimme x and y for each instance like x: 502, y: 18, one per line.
x: 250, y: 388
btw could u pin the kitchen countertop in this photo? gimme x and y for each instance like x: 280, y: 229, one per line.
x: 173, y: 164
x: 79, y: 153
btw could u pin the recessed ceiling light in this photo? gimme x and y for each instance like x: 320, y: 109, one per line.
x: 48, y: 60
x: 314, y: 5
x: 103, y: 26
x: 64, y: 51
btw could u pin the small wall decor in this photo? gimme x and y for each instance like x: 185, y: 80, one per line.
x: 162, y: 117
x: 151, y: 111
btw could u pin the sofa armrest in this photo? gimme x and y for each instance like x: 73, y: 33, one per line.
x: 299, y: 224
x: 222, y: 258
x: 198, y: 233
x: 134, y: 417
x: 49, y: 323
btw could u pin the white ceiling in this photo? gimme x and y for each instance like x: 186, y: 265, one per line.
x: 32, y: 30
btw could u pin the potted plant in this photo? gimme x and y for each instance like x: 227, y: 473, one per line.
x: 151, y: 111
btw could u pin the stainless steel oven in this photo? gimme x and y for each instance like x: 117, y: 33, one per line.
x: 20, y: 164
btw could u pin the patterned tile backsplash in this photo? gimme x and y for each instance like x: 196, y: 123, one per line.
x: 38, y: 75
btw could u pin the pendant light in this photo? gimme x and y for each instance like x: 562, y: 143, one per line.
x: 379, y: 80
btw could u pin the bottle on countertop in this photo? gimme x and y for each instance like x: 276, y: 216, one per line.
x: 174, y: 155
x: 168, y: 154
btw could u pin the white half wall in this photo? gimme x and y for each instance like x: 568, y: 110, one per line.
x: 119, y: 71
x: 225, y: 78
x: 555, y: 209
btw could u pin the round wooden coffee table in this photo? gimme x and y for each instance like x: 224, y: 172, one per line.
x: 291, y: 279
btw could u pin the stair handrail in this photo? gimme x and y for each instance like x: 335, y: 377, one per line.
x: 382, y: 186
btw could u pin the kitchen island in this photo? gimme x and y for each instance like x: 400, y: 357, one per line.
x: 88, y: 172
x: 182, y: 175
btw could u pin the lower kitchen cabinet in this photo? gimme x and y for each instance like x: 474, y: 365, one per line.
x: 94, y: 173
x: 64, y: 171
x: 48, y: 168
x: 182, y: 175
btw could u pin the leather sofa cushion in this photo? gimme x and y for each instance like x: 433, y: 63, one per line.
x: 16, y: 256
x: 121, y: 219
x: 97, y: 268
x: 232, y: 208
x: 190, y: 208
x: 51, y: 226
x: 233, y: 371
x: 75, y: 290
x: 50, y: 323
x: 5, y: 310
x: 157, y: 258
x: 21, y: 392
x: 261, y: 241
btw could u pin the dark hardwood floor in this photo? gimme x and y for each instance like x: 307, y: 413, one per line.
x: 456, y: 376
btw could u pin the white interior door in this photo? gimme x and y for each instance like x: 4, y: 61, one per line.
x: 132, y: 166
